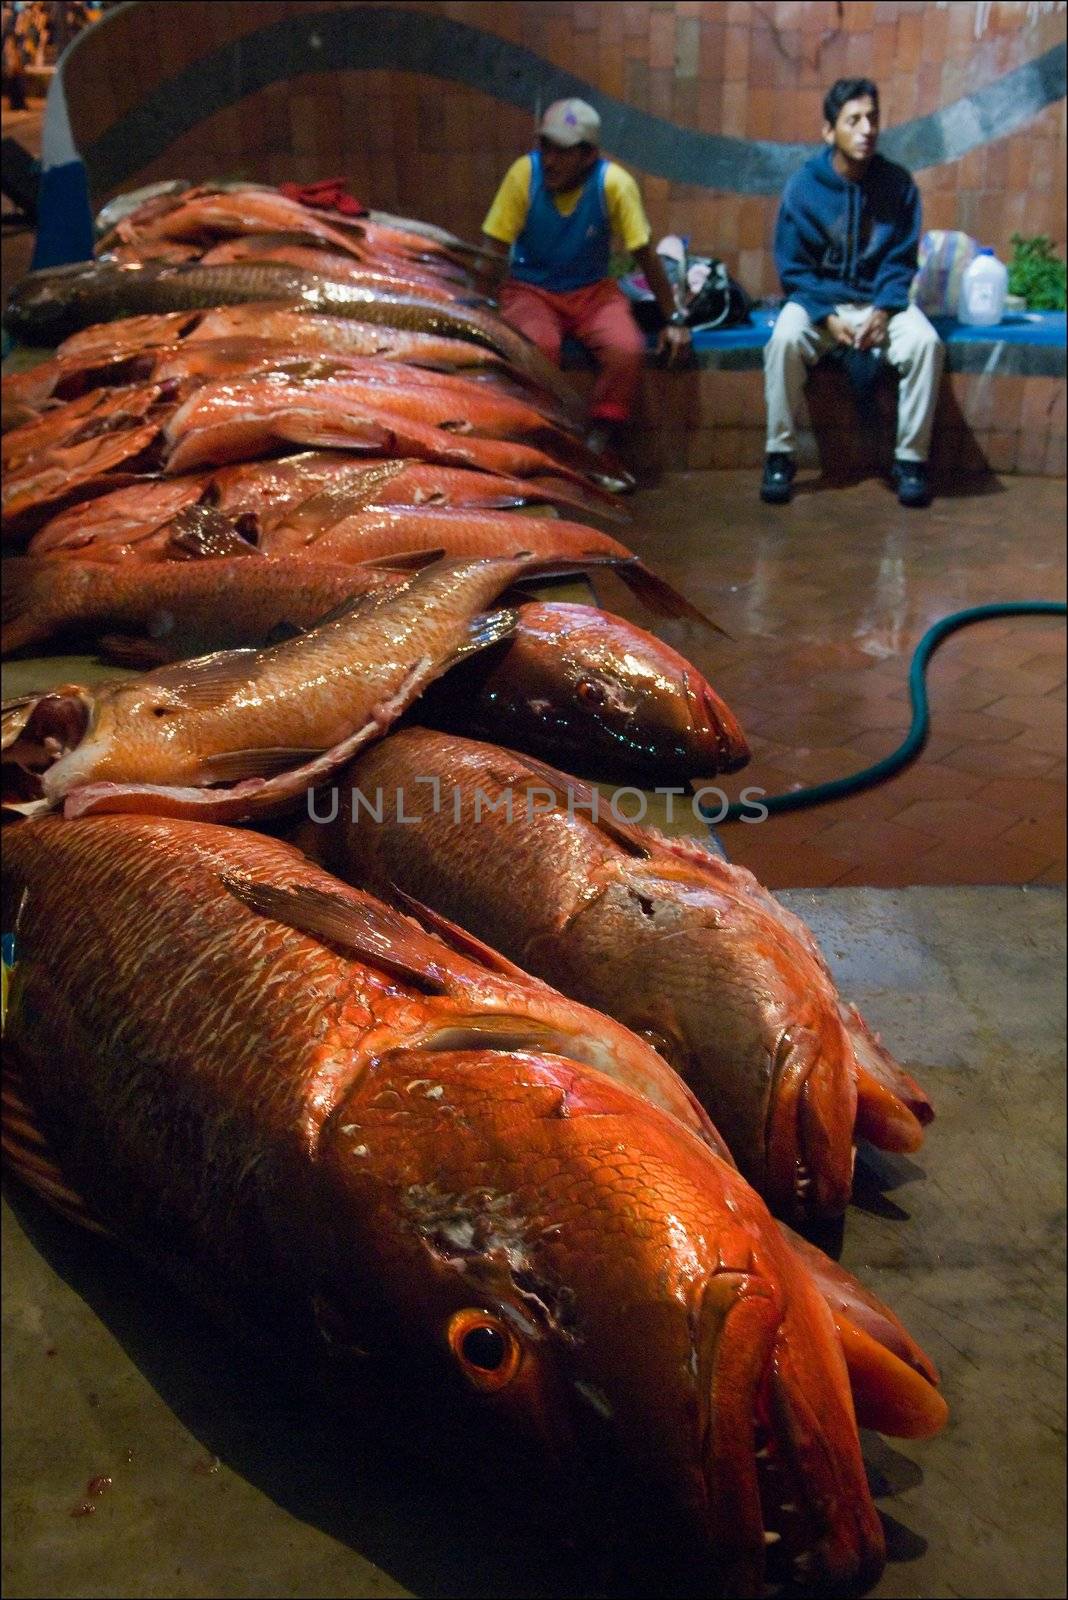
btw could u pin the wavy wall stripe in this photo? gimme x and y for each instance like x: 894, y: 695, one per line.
x: 373, y: 37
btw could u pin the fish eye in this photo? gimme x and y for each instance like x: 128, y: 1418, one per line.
x: 486, y: 1349
x: 590, y: 691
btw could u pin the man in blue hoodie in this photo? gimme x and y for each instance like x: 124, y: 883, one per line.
x: 845, y: 246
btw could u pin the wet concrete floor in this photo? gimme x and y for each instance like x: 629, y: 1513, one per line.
x: 207, y: 1477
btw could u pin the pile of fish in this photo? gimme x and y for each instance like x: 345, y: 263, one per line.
x: 467, y: 1078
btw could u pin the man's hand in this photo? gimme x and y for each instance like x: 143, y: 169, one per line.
x: 874, y: 330
x: 675, y: 343
x: 839, y: 330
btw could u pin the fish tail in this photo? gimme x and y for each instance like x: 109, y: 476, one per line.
x: 27, y: 605
x: 660, y: 597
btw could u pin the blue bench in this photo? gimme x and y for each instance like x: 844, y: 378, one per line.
x: 1024, y: 344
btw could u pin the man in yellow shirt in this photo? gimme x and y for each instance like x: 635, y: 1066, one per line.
x: 555, y: 215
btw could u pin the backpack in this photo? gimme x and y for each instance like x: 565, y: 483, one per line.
x: 708, y: 294
x: 716, y: 300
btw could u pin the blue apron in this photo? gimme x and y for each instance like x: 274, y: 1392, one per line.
x: 562, y: 253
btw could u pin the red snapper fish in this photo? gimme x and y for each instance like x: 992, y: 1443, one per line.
x: 362, y: 1139
x: 264, y: 724
x: 688, y: 951
x: 141, y: 521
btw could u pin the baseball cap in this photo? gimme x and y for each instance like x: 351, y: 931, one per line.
x: 570, y: 122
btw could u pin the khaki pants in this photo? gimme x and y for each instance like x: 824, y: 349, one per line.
x: 912, y: 348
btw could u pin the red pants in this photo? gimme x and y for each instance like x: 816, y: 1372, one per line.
x: 599, y: 317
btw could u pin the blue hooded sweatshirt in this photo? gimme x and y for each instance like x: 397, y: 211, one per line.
x: 838, y: 242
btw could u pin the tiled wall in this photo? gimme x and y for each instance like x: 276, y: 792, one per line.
x: 422, y: 144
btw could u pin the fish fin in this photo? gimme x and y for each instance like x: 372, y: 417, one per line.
x: 892, y: 1109
x: 24, y: 609
x: 660, y: 597
x: 365, y: 928
x: 407, y: 560
x: 883, y: 1118
x: 458, y: 938
x: 888, y: 1395
x: 851, y: 1299
x: 489, y: 627
x: 203, y: 532
x: 206, y: 680
x: 135, y: 650
x: 232, y: 766
x: 15, y: 714
x: 27, y: 1151
x: 579, y: 796
x: 367, y: 603
x: 560, y: 490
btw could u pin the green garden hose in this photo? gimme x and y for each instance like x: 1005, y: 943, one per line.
x: 916, y: 738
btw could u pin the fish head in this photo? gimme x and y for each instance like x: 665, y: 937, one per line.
x: 38, y: 733
x: 745, y: 1015
x: 128, y: 726
x: 573, y: 1263
x: 607, y: 682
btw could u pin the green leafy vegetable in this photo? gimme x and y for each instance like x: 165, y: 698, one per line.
x: 1037, y: 272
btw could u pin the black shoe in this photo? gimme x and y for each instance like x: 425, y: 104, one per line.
x: 911, y: 482
x: 776, y: 486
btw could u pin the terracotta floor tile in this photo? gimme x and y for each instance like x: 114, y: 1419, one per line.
x: 1027, y: 797
x: 822, y: 765
x: 877, y: 839
x: 778, y: 831
x: 1034, y: 711
x: 1054, y: 874
x: 1051, y: 740
x: 966, y: 861
x: 955, y: 820
x: 884, y: 874
x: 989, y: 760
x: 930, y: 780
x: 803, y: 728
x: 1046, y: 668
x: 1043, y: 835
x: 880, y: 742
x: 978, y: 725
x: 802, y: 866
x: 981, y: 690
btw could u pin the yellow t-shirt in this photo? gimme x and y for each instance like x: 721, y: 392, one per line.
x: 507, y: 215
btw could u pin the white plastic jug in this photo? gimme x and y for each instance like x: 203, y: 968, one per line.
x: 983, y: 289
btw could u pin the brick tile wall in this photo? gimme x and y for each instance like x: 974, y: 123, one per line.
x: 745, y: 70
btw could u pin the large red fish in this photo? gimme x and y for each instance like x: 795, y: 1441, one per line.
x: 304, y: 1107
x: 253, y: 496
x: 680, y: 946
x: 169, y: 610
x: 329, y: 528
x: 266, y: 724
x: 597, y: 694
x: 49, y: 305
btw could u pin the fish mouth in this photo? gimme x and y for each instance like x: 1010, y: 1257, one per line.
x: 39, y: 732
x: 809, y: 1150
x: 788, y: 1498
x: 715, y: 733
